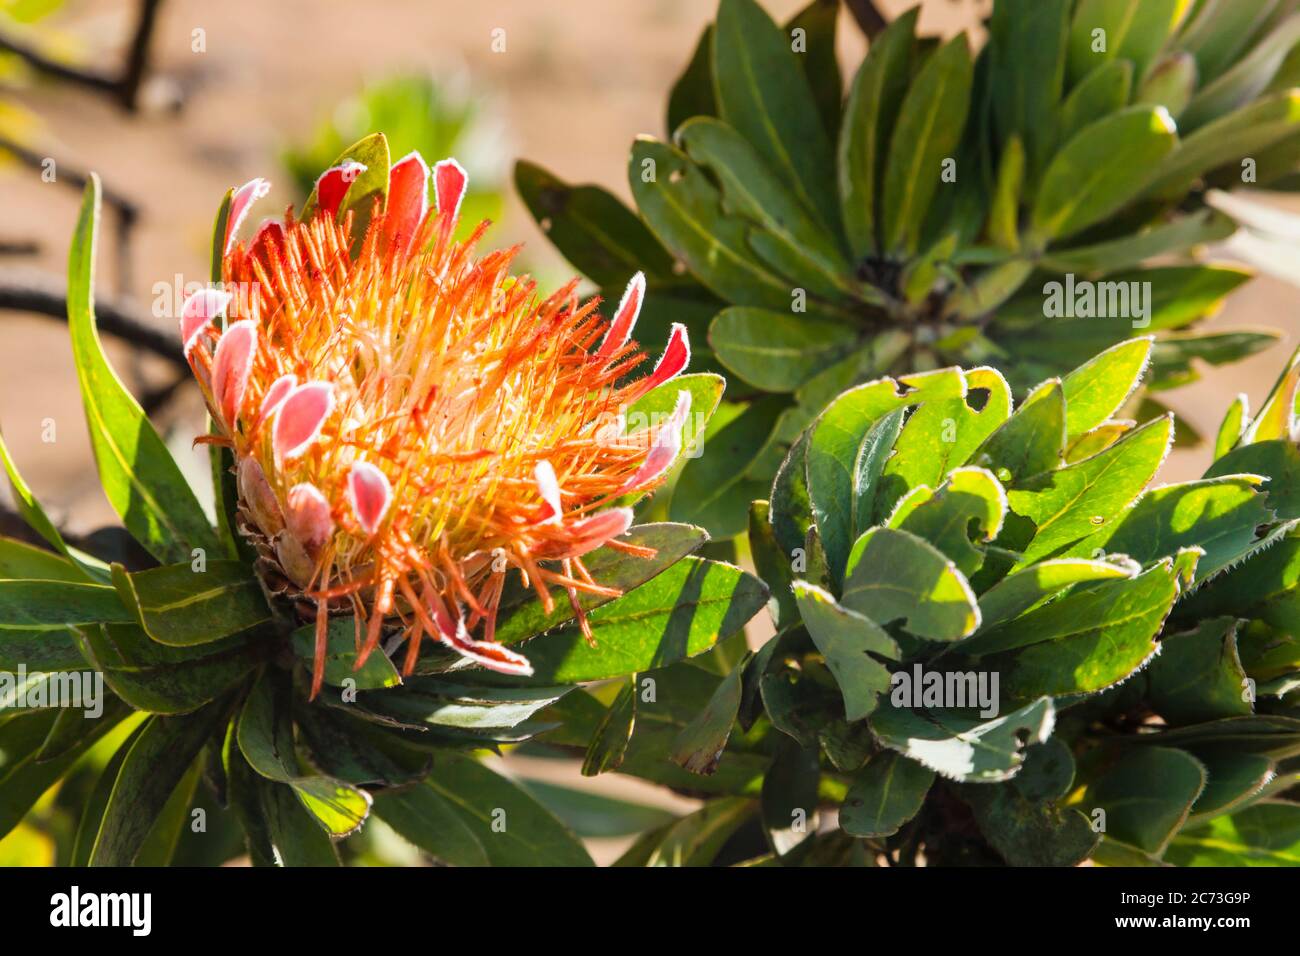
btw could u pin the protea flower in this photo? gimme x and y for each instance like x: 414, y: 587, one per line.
x: 410, y: 422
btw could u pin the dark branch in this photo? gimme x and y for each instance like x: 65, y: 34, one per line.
x: 870, y: 20
x: 123, y: 87
x: 44, y: 295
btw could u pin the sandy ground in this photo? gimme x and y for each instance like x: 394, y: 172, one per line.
x: 577, y: 81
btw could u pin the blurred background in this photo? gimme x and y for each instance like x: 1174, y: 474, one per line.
x: 209, y: 95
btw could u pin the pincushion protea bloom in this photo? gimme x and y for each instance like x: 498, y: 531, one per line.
x: 410, y: 422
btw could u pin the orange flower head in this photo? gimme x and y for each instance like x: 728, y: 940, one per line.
x: 410, y: 422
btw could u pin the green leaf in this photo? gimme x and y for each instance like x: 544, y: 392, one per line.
x: 433, y: 823
x: 31, y: 512
x: 1171, y: 84
x: 772, y: 565
x: 1232, y: 780
x: 1232, y: 427
x: 1079, y: 499
x: 699, y: 746
x: 1027, y: 43
x: 434, y: 701
x: 1198, y: 675
x: 762, y: 92
x: 1004, y: 216
x: 1246, y: 79
x: 19, y: 560
x: 1178, y: 237
x: 1028, y: 588
x: 884, y: 795
x: 142, y: 482
x: 1278, y: 461
x: 685, y: 211
x: 53, y: 649
x: 1135, y: 30
x: 777, y: 351
x: 295, y: 838
x: 341, y: 657
x: 1267, y: 834
x: 609, y: 743
x: 510, y: 825
x: 833, y: 450
x: 869, y: 466
x: 1099, y: 171
x: 681, y: 613
x: 1219, y: 515
x: 697, y: 838
x: 28, y: 605
x: 1227, y: 139
x: 520, y: 614
x: 1266, y: 587
x: 1104, y: 91
x: 1026, y: 833
x: 1097, y: 389
x: 371, y: 184
x: 790, y: 507
x: 969, y: 500
x: 601, y: 237
x: 168, y: 680
x: 869, y: 115
x: 1147, y: 795
x: 791, y: 241
x: 692, y: 94
x: 179, y: 606
x: 157, y: 761
x: 928, y: 131
x: 1031, y: 441
x: 961, y: 747
x: 714, y: 490
x: 893, y: 575
x: 845, y: 638
x: 1217, y: 33
x: 817, y: 21
x: 1086, y: 641
x: 265, y: 735
x: 943, y: 434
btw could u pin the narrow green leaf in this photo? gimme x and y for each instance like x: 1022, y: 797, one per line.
x: 265, y: 736
x: 692, y: 94
x: 179, y: 606
x: 295, y: 838
x: 928, y: 130
x: 869, y: 115
x: 699, y: 746
x: 1080, y: 499
x: 685, y: 211
x: 27, y: 605
x: 1104, y: 91
x: 142, y: 482
x: 341, y: 657
x: 601, y: 237
x: 158, y: 759
x: 1135, y: 30
x: 1099, y: 171
x: 609, y: 743
x: 1027, y: 44
x: 1267, y: 834
x: 433, y: 824
x: 1026, y: 589
x: 510, y: 825
x: 762, y: 92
